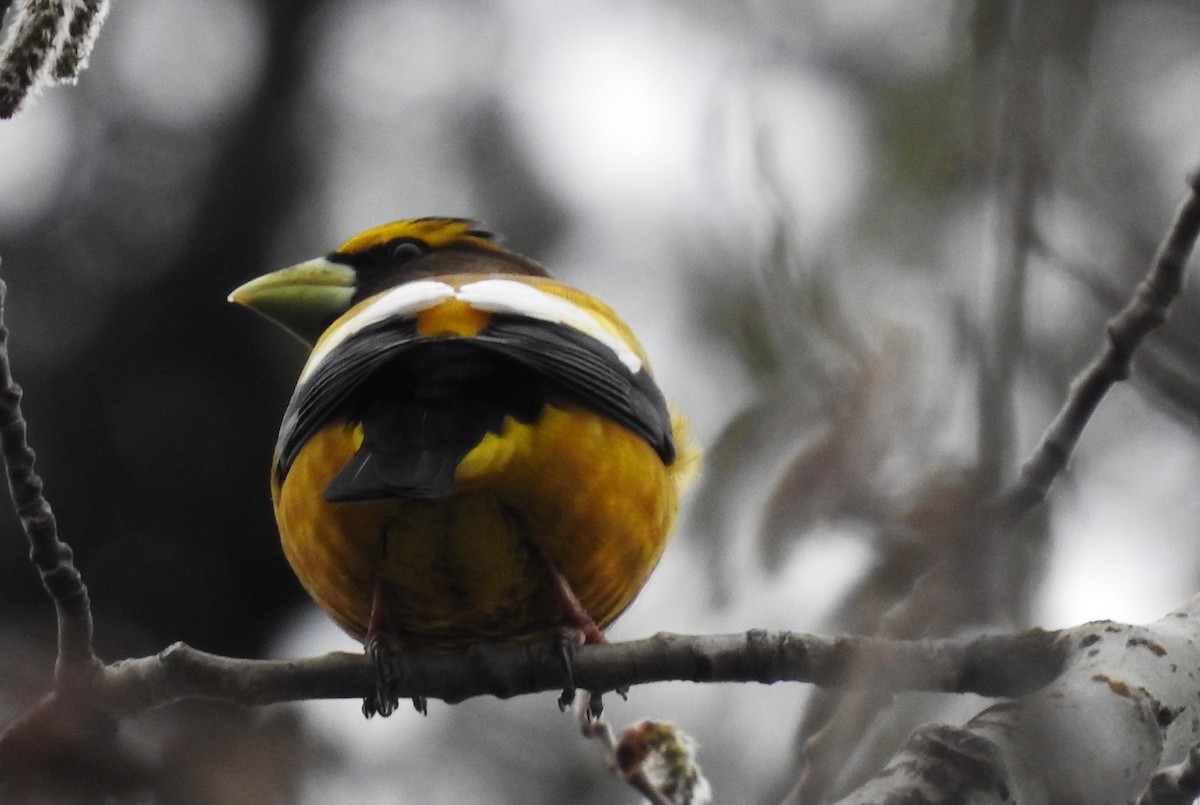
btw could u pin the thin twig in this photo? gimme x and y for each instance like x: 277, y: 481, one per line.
x: 1145, y: 311
x: 52, y: 557
x: 1018, y: 171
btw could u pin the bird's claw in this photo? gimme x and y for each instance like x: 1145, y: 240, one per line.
x: 384, y: 655
x: 564, y: 643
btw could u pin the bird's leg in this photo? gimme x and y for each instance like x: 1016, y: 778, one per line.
x: 575, y: 616
x: 383, y: 649
x: 579, y: 629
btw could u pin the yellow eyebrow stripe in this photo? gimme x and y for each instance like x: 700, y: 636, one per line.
x: 436, y: 232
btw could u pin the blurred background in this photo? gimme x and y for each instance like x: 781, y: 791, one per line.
x: 865, y: 242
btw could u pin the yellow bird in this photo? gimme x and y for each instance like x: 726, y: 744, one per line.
x: 474, y: 452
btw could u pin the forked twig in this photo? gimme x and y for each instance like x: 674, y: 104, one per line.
x: 1124, y: 332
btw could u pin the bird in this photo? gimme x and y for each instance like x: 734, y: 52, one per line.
x: 474, y: 452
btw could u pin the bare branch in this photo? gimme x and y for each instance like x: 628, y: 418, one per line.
x: 1008, y: 665
x: 991, y: 665
x: 1002, y: 665
x: 53, y: 558
x: 1145, y: 311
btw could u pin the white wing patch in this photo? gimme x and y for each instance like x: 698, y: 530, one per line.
x: 516, y: 298
x: 492, y: 296
x: 403, y: 301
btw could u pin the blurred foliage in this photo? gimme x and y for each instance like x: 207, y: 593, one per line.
x: 819, y: 282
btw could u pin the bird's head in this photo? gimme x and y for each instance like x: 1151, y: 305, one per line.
x: 307, y: 297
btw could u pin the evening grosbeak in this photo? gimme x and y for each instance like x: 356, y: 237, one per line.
x: 474, y: 452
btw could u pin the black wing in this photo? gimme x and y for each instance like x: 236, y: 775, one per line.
x: 424, y: 403
x: 588, y: 371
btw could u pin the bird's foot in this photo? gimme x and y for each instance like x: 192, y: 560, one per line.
x: 579, y: 629
x: 590, y: 705
x: 384, y: 652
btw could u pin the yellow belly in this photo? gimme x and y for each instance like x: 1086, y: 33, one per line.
x: 575, y: 488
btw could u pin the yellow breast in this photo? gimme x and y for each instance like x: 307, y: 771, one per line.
x: 583, y: 491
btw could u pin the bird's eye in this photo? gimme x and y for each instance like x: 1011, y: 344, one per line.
x: 406, y: 250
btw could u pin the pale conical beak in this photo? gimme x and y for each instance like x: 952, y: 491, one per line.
x: 304, y: 299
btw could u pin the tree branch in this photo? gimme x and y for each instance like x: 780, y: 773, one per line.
x: 1145, y: 311
x: 998, y: 665
x: 53, y: 558
x: 1003, y: 665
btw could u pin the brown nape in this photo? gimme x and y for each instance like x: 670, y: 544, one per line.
x: 376, y: 276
